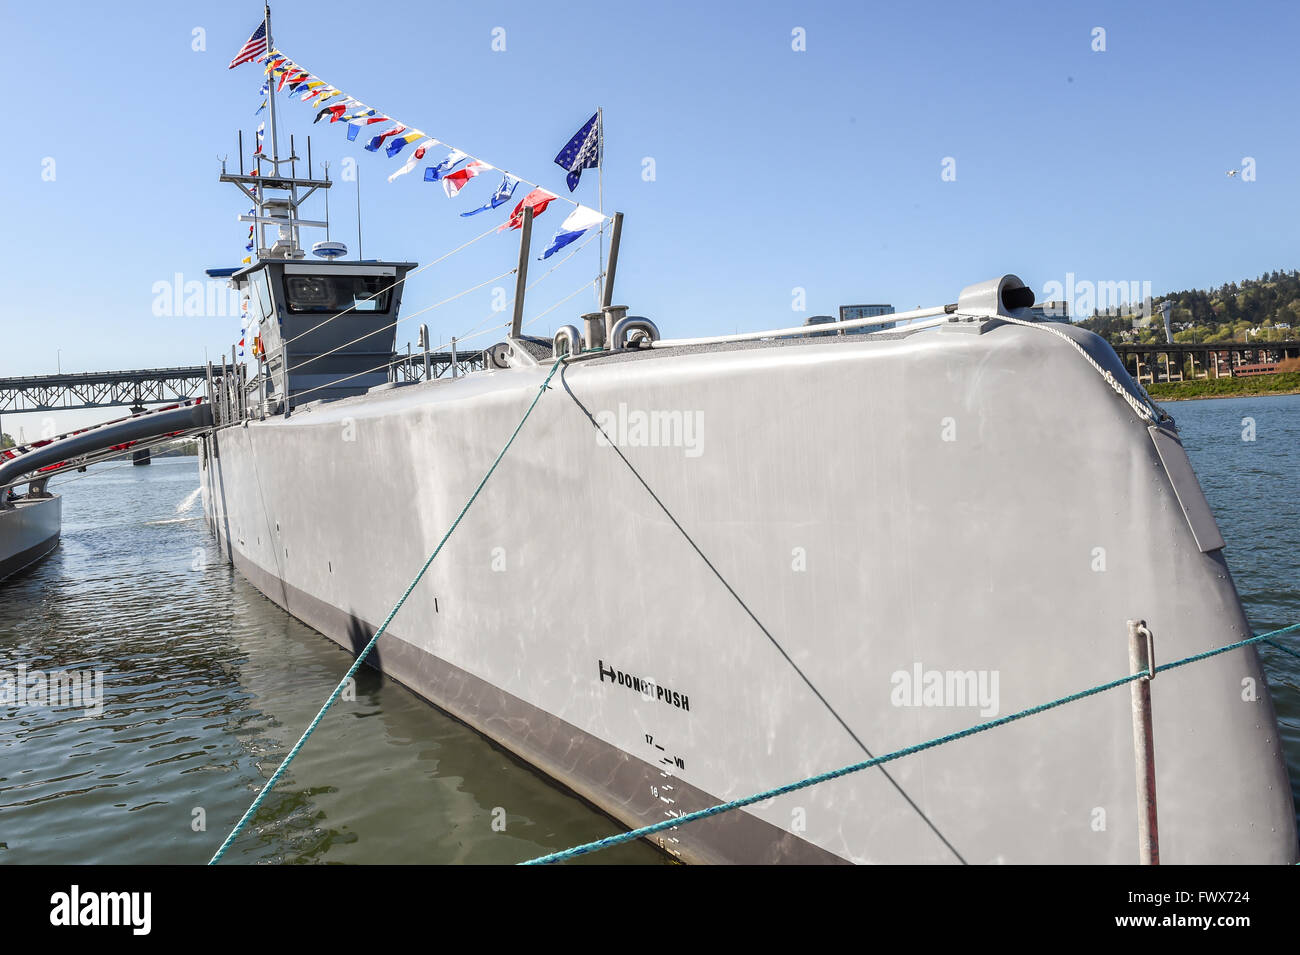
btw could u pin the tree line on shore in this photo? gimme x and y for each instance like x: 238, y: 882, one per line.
x: 1262, y: 309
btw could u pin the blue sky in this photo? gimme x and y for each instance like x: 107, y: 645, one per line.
x: 775, y: 169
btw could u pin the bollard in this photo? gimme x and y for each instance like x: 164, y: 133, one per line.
x: 594, y: 326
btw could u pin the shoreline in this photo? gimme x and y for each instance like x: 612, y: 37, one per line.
x: 1244, y: 394
x: 1254, y: 386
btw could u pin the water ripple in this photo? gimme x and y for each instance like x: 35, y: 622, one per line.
x: 206, y: 686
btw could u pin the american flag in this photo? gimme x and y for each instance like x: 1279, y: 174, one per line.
x: 254, y: 48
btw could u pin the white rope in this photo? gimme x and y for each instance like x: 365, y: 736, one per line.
x: 475, y: 334
x: 411, y: 359
x: 339, y: 381
x: 376, y: 331
x: 391, y: 363
x: 98, y: 457
x: 494, y: 328
x: 430, y: 308
x: 578, y: 290
x: 73, y: 480
x: 1147, y: 412
x: 417, y: 271
x: 472, y: 333
x: 481, y: 328
x: 348, y: 98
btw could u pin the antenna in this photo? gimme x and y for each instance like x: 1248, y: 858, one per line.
x: 293, y: 192
x: 270, y: 95
x: 282, y: 214
x: 358, y: 170
x: 275, y: 138
x: 327, y: 199
x: 222, y: 160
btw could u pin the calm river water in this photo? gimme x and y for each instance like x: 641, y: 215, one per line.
x: 208, y: 684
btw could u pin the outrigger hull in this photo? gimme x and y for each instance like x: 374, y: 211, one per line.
x: 787, y: 555
x: 29, y: 532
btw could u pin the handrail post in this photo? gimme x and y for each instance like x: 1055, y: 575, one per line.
x: 225, y: 384
x: 424, y: 349
x: 1141, y: 658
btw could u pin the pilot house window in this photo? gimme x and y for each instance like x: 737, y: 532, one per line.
x: 336, y: 293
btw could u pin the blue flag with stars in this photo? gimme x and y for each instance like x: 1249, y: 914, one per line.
x: 582, y: 151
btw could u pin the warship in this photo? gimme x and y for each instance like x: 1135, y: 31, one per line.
x: 712, y: 565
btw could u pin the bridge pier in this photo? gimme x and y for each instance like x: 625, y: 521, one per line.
x: 142, y: 456
x: 1220, y: 359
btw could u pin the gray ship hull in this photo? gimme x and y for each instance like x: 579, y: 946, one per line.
x: 759, y: 580
x: 29, y: 532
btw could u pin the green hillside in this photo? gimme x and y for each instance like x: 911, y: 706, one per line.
x: 1262, y: 309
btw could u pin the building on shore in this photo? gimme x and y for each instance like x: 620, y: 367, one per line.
x: 1052, y: 311
x: 819, y: 320
x: 848, y: 312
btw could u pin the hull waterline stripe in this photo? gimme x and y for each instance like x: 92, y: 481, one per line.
x: 356, y: 664
x: 689, y: 817
x: 17, y: 563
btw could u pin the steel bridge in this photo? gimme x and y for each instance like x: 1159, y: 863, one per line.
x: 99, y: 389
x: 1217, y: 360
x: 142, y: 387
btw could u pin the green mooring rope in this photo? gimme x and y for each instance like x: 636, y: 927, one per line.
x: 644, y: 831
x: 275, y: 777
x: 888, y: 757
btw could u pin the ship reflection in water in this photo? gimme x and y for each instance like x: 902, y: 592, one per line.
x: 206, y: 685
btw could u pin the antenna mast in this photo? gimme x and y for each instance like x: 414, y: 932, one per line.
x: 275, y: 141
x: 600, y: 195
x: 270, y: 95
x: 281, y: 213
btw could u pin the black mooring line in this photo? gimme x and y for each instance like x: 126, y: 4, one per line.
x: 780, y: 649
